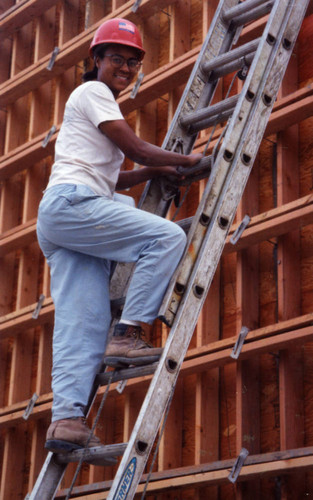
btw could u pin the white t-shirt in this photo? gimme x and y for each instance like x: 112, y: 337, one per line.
x: 83, y: 154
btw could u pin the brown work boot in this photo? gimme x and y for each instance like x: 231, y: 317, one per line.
x: 70, y: 434
x: 130, y: 347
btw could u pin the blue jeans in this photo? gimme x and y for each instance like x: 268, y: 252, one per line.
x: 80, y: 233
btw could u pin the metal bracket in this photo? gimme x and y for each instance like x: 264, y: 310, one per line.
x: 54, y: 54
x: 121, y: 386
x: 38, y: 306
x: 30, y: 406
x: 240, y: 229
x: 240, y: 460
x: 135, y: 88
x: 239, y: 342
x: 136, y: 5
x: 48, y: 136
x: 242, y: 73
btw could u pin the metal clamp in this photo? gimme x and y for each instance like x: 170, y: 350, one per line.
x: 239, y: 342
x: 54, y: 54
x: 38, y: 306
x: 240, y: 229
x: 48, y: 136
x: 240, y: 460
x: 30, y: 406
x: 135, y: 88
x: 136, y: 5
x: 121, y: 386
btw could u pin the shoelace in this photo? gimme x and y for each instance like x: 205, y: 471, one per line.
x: 138, y: 333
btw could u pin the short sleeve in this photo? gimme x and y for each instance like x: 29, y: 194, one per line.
x: 98, y: 104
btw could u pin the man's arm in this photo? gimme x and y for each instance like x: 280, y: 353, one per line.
x: 129, y: 178
x: 119, y: 132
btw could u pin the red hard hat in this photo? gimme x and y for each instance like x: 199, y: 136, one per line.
x: 120, y: 31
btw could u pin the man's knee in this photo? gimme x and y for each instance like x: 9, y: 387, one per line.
x: 177, y: 236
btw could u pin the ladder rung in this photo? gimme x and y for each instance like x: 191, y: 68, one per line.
x: 117, y: 304
x: 210, y: 112
x: 233, y: 66
x: 185, y: 224
x: 231, y: 56
x: 125, y: 374
x: 201, y: 170
x: 254, y: 14
x: 204, y: 164
x: 242, y: 8
x: 99, y: 455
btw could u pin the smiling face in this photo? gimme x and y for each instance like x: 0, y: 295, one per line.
x: 117, y: 79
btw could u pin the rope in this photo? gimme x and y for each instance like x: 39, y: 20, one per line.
x: 80, y: 463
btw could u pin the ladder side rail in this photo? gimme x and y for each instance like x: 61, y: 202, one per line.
x: 160, y: 389
x: 261, y: 64
x: 49, y: 479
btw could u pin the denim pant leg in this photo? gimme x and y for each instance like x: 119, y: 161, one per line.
x: 79, y: 288
x: 76, y: 219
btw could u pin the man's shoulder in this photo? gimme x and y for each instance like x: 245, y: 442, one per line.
x: 93, y: 88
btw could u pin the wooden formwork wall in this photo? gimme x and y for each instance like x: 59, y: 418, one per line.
x: 263, y: 401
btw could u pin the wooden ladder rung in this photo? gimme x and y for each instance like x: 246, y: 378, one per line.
x: 98, y: 455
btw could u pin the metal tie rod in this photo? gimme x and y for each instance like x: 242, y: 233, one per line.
x: 211, y: 111
x: 248, y: 16
x: 231, y: 56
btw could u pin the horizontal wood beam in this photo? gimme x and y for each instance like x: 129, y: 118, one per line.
x: 26, y: 155
x: 72, y: 52
x: 283, y: 220
x: 270, y: 224
x: 270, y: 338
x: 12, y: 324
x: 160, y: 81
x: 285, y: 113
x: 264, y: 465
x: 22, y: 13
x: 76, y: 49
x: 288, y: 111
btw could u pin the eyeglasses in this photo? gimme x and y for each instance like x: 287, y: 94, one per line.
x: 118, y: 61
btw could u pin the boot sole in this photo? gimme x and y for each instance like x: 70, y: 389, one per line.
x: 59, y: 446
x: 121, y: 361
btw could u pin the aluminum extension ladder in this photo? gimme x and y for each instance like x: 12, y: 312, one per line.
x: 264, y: 62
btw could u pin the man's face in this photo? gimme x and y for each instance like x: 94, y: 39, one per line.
x: 114, y: 71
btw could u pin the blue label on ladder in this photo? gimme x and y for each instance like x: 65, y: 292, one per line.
x: 126, y: 481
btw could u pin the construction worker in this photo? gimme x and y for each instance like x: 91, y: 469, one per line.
x: 83, y: 225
